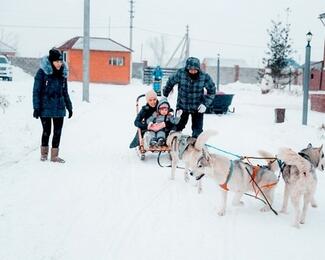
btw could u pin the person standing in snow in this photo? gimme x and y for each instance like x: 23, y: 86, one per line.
x: 191, y: 99
x: 51, y: 100
x: 157, y: 73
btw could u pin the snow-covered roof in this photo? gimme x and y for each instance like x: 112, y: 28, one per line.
x: 95, y: 43
x: 225, y: 62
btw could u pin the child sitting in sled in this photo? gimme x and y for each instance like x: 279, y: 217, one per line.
x: 161, y: 123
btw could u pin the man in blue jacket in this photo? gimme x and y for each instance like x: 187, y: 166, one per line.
x: 191, y: 98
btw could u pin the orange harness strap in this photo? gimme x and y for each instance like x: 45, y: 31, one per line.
x: 231, y: 169
x: 267, y: 186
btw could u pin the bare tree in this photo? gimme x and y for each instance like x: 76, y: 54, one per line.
x: 158, y: 48
x: 9, y: 38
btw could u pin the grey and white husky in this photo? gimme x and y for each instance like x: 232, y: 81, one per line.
x: 299, y: 175
x: 232, y: 175
x: 186, y: 149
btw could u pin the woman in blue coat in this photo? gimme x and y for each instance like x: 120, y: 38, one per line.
x: 51, y: 100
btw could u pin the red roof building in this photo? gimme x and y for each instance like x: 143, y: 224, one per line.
x: 109, y: 61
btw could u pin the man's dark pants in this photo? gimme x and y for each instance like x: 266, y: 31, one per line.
x: 197, y: 123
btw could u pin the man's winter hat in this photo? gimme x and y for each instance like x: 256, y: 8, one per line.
x: 151, y: 94
x: 55, y: 54
x: 192, y: 63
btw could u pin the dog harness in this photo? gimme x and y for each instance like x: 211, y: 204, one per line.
x: 256, y: 168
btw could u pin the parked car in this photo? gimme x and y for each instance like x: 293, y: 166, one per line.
x: 5, y: 68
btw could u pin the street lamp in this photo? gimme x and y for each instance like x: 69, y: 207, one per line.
x: 309, y: 36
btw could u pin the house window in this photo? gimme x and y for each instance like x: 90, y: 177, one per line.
x: 65, y: 56
x: 116, y: 61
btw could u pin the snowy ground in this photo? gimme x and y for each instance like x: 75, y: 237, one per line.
x: 105, y: 203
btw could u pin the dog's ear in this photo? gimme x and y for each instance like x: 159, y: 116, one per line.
x: 309, y: 145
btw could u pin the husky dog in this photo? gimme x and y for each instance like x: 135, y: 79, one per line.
x: 299, y: 174
x: 239, y: 177
x: 187, y: 149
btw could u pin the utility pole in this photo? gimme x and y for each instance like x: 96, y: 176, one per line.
x: 218, y: 71
x: 109, y: 27
x: 187, y: 40
x: 85, y: 52
x: 131, y: 22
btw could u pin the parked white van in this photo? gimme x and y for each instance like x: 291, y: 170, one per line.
x: 5, y: 68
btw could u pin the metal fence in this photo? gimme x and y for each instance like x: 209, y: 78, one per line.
x: 148, y: 77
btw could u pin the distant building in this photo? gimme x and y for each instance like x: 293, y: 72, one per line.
x: 212, y: 62
x: 317, y: 85
x: 109, y: 61
x: 231, y: 70
x: 7, y: 50
x: 316, y: 81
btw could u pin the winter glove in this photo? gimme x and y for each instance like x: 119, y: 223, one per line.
x: 179, y: 112
x: 70, y: 113
x: 36, y: 113
x: 202, y: 108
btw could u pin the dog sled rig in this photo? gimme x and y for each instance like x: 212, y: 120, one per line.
x: 252, y: 174
x: 258, y: 190
x: 220, y: 105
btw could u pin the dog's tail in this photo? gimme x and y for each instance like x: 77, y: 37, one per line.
x: 292, y: 158
x: 203, y: 138
x: 171, y: 137
x: 270, y: 159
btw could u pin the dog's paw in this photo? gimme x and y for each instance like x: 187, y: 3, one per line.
x: 199, y: 190
x: 186, y: 178
x: 314, y: 205
x: 221, y: 212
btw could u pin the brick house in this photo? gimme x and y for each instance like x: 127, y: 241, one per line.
x: 317, y: 85
x: 109, y: 61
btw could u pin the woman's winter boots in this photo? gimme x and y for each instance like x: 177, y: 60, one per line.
x: 44, y: 153
x: 55, y: 156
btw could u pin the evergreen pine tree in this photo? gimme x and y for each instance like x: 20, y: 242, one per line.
x: 279, y: 50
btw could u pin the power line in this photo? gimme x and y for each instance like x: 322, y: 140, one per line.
x: 137, y: 28
x: 57, y: 27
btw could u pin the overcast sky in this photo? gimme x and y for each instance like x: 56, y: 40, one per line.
x: 235, y: 29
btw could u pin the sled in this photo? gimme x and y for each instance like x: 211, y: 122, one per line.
x: 141, y: 149
x: 220, y: 104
